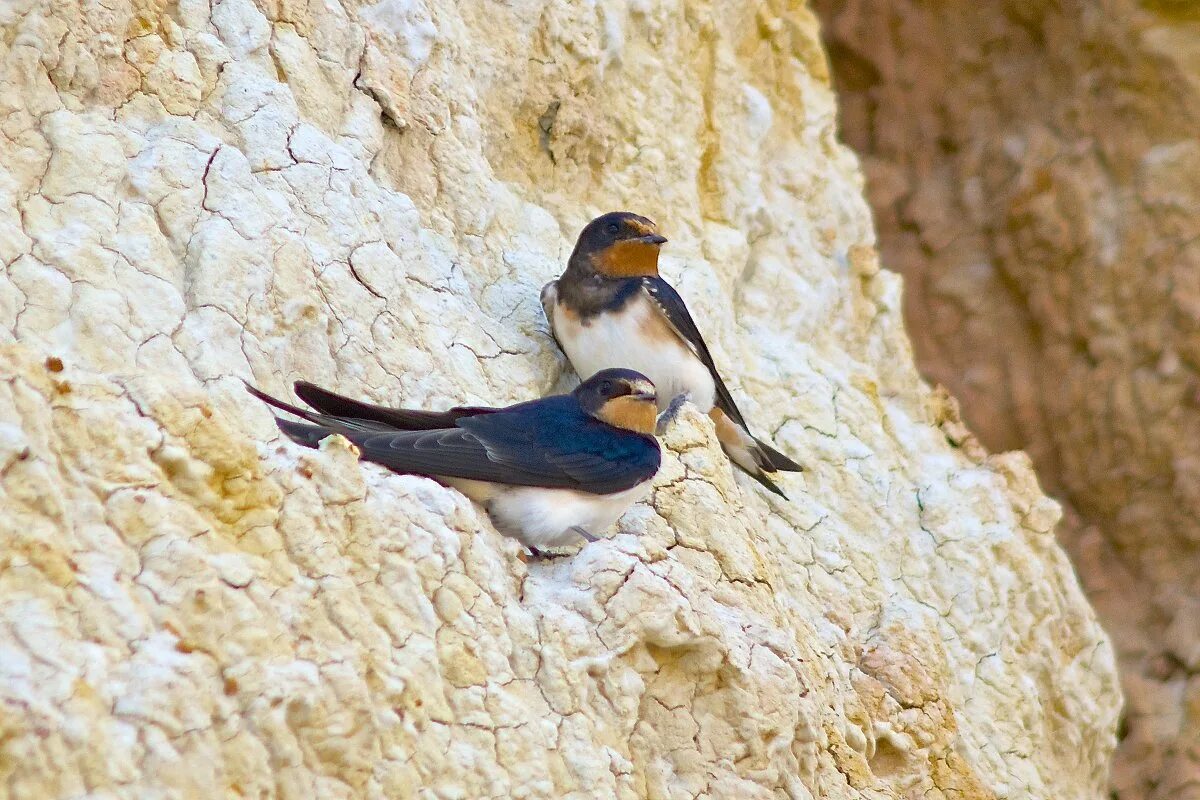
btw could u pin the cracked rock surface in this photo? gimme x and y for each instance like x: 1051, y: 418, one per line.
x: 370, y: 197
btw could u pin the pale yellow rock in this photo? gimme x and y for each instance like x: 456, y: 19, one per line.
x: 369, y: 197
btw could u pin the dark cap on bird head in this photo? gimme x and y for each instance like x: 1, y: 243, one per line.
x: 621, y: 397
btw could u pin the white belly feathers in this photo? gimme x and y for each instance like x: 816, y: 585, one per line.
x: 635, y: 338
x: 543, y: 518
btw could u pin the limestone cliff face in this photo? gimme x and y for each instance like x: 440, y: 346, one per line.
x: 1033, y: 168
x: 370, y: 196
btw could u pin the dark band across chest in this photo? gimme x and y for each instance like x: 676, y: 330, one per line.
x: 591, y: 297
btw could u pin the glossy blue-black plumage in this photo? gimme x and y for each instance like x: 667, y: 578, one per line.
x: 554, y: 443
x: 548, y: 443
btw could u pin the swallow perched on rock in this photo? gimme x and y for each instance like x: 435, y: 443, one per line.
x: 610, y: 308
x: 546, y: 470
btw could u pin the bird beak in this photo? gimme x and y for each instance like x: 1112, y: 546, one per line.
x: 653, y: 238
x: 645, y: 395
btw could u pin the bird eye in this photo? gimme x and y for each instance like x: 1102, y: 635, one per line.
x: 613, y: 228
x: 606, y: 388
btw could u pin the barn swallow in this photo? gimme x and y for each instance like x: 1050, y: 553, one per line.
x: 545, y: 470
x: 610, y: 308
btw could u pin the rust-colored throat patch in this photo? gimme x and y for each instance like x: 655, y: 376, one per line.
x: 627, y: 259
x: 638, y: 414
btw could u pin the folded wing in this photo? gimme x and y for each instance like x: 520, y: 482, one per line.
x: 672, y: 307
x: 552, y: 440
x: 547, y: 443
x: 675, y: 311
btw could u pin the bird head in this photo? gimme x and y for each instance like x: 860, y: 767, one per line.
x: 622, y: 398
x: 619, y: 245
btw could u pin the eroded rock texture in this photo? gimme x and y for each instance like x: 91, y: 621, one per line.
x: 1035, y: 174
x: 370, y: 197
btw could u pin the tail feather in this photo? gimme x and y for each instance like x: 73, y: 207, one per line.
x: 745, y: 451
x: 309, y: 433
x: 405, y: 419
x: 303, y: 413
x: 770, y: 485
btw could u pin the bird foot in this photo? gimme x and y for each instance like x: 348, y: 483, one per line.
x: 671, y: 412
x: 587, y: 535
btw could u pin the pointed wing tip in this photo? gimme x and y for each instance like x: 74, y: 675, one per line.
x: 777, y: 461
x: 303, y: 434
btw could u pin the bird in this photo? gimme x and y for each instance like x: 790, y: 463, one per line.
x: 547, y: 471
x: 610, y: 308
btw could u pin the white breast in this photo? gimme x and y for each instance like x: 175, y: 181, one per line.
x: 619, y: 340
x: 543, y: 518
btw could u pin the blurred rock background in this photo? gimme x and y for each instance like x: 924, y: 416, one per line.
x: 1034, y: 169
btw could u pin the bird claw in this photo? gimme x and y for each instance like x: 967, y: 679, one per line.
x: 587, y: 535
x: 672, y: 411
